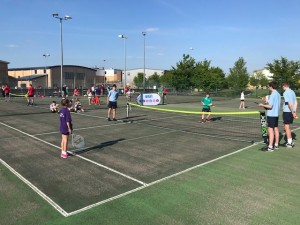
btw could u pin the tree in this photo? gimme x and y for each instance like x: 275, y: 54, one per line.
x: 208, y: 78
x: 238, y: 77
x: 284, y: 71
x: 182, y: 73
x: 153, y: 80
x: 138, y: 80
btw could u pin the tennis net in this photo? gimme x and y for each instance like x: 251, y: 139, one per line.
x: 235, y: 126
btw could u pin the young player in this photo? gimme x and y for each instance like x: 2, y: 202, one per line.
x: 65, y: 127
x: 207, y: 103
x: 54, y: 107
x: 78, y: 107
x: 289, y: 112
x: 242, y: 104
x: 273, y: 107
x: 112, y: 98
x: 30, y: 95
x: 6, y: 92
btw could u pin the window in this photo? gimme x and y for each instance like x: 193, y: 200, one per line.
x: 35, y: 71
x: 69, y: 75
x: 80, y: 76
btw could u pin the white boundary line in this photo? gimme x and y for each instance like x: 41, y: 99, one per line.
x: 50, y: 201
x: 157, y: 181
x: 34, y: 188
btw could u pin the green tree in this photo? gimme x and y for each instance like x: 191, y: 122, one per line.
x: 201, y: 78
x: 238, y: 77
x: 166, y: 79
x: 285, y: 71
x: 264, y: 82
x: 153, y: 80
x: 138, y: 80
x: 182, y: 73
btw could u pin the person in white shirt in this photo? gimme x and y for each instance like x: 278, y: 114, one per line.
x: 54, y: 107
x: 242, y: 104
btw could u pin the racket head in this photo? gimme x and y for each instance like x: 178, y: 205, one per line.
x: 78, y: 141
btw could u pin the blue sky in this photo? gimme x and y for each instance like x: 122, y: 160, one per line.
x: 218, y: 30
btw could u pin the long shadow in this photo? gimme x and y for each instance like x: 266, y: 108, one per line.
x: 97, y: 147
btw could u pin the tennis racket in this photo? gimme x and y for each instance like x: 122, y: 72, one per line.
x: 78, y: 141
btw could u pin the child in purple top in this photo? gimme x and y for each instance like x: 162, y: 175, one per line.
x: 65, y: 127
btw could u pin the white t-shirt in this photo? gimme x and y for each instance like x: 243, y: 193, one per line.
x: 242, y: 96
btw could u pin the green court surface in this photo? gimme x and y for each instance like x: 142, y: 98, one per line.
x: 146, y: 169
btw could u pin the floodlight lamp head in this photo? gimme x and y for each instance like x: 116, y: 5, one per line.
x: 67, y: 17
x: 144, y: 33
x: 55, y: 14
x: 120, y: 35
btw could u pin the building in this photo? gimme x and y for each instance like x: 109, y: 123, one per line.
x: 50, y: 77
x: 132, y: 73
x: 265, y: 72
x: 3, y: 72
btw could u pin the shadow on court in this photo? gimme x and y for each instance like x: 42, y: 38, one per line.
x: 97, y: 147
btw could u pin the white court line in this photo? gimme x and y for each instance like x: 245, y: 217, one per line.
x: 165, y: 178
x: 84, y: 128
x: 55, y: 205
x: 157, y: 181
x: 34, y: 188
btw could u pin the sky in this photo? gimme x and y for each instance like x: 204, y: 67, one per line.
x: 221, y: 31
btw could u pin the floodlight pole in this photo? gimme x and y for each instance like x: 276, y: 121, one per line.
x: 125, y: 47
x: 46, y: 55
x: 55, y: 15
x: 144, y: 74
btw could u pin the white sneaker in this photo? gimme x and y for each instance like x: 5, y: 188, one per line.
x: 290, y: 145
x: 270, y: 149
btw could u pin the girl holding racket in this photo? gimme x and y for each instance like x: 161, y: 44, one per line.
x: 65, y: 126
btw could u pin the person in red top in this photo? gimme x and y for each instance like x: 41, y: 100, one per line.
x: 76, y: 93
x: 30, y: 95
x: 6, y: 92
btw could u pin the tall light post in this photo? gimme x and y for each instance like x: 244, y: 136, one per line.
x: 55, y: 15
x: 46, y: 55
x: 144, y: 74
x: 125, y: 38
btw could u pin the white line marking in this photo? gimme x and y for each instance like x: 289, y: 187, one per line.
x: 34, y: 188
x: 157, y: 181
x: 84, y: 128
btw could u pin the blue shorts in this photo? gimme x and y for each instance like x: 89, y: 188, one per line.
x: 112, y: 105
x: 272, y: 121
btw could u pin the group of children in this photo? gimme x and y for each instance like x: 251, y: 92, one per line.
x: 66, y: 127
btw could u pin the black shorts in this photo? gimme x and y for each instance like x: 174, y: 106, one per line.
x: 287, y: 118
x: 206, y: 110
x: 272, y: 121
x: 30, y: 96
x: 6, y: 94
x: 242, y: 100
x: 66, y: 133
x: 112, y: 105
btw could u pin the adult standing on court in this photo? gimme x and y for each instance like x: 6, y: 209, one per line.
x: 112, y: 98
x: 242, y: 104
x: 30, y: 95
x: 206, y: 102
x: 289, y: 112
x: 63, y: 91
x: 65, y: 127
x: 273, y: 107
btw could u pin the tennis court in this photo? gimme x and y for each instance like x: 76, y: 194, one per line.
x: 121, y: 157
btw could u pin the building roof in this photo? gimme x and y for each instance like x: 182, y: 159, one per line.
x: 48, y: 67
x: 1, y: 61
x: 31, y: 77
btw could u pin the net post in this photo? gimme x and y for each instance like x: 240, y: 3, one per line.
x: 127, y: 110
x: 142, y: 100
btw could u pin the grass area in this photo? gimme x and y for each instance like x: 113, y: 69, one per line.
x: 250, y: 187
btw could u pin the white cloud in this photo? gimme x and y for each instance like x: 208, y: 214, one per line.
x: 12, y: 46
x: 152, y: 29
